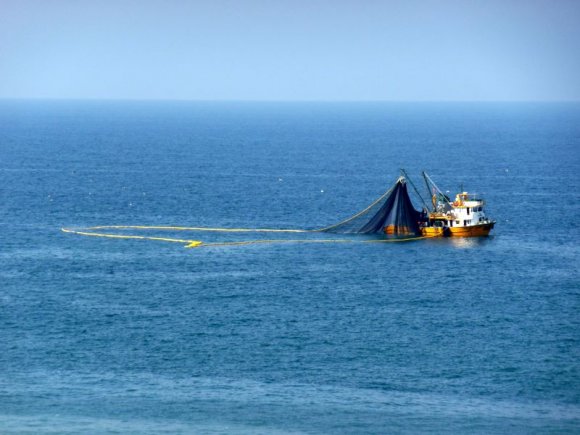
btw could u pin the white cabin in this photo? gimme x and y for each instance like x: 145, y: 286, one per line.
x: 467, y: 211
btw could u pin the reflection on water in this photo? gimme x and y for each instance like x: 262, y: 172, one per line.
x: 460, y: 242
x: 468, y: 242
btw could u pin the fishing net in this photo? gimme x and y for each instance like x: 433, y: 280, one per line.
x: 392, y: 214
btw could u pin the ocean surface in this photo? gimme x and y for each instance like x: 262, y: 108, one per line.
x: 432, y: 336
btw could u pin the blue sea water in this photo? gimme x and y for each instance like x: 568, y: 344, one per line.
x: 430, y: 336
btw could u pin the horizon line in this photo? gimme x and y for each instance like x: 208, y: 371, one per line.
x: 235, y: 100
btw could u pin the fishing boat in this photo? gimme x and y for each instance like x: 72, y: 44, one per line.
x: 463, y: 217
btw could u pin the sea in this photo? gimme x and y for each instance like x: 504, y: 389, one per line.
x: 105, y: 335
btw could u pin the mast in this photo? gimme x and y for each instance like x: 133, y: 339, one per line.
x: 428, y: 187
x: 430, y: 183
x: 415, y: 188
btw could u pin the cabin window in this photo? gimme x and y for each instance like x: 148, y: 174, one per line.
x: 467, y: 210
x: 450, y: 223
x: 480, y: 209
x: 457, y: 222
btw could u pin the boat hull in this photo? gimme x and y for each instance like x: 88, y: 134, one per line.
x: 433, y: 231
x: 471, y: 231
x: 481, y: 230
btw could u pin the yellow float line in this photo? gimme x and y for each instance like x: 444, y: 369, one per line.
x: 197, y: 243
x: 190, y: 243
x: 221, y: 230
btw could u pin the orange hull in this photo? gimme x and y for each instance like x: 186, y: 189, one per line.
x: 433, y: 231
x: 471, y: 231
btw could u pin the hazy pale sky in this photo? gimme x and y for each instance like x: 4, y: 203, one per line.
x: 291, y: 50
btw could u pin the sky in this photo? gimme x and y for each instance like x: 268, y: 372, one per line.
x: 313, y: 50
